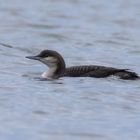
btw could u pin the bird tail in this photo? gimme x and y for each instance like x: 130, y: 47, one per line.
x: 126, y: 74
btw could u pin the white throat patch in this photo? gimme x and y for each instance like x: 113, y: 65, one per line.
x: 50, y: 73
x: 51, y: 62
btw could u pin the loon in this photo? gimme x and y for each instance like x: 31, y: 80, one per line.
x: 57, y: 68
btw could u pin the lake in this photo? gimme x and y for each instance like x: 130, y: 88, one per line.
x: 85, y: 32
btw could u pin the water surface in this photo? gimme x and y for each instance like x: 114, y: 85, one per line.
x: 85, y: 32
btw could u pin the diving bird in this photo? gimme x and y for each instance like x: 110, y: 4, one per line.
x: 57, y: 68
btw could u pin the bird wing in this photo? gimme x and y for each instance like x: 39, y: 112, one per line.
x: 91, y: 71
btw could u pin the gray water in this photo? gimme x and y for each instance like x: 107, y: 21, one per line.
x: 103, y: 32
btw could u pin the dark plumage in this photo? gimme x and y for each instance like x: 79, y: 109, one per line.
x: 99, y: 72
x: 58, y: 69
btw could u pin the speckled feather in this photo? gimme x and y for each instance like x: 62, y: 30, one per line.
x: 98, y: 72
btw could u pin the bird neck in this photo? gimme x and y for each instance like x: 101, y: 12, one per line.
x: 55, y: 71
x: 60, y: 67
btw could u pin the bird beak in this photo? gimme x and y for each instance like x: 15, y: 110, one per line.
x: 33, y: 57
